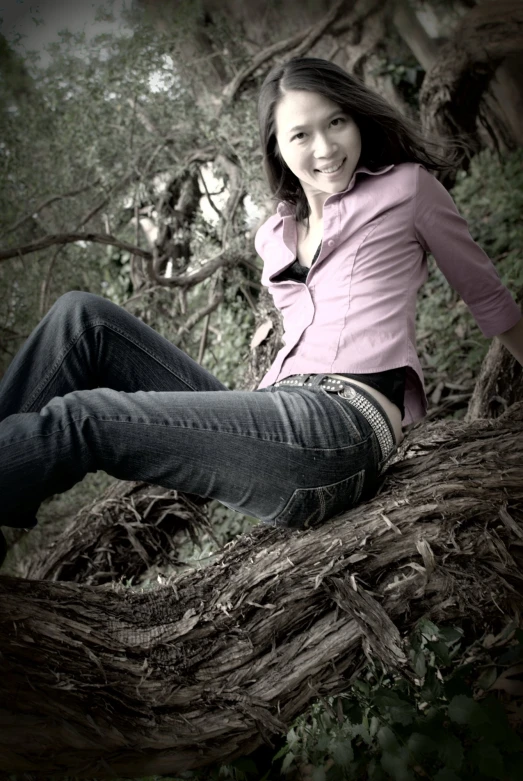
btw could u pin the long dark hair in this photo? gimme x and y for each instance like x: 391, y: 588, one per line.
x: 386, y: 136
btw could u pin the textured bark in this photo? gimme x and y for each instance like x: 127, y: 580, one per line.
x: 99, y: 681
x: 499, y: 384
x: 131, y: 528
x: 453, y: 92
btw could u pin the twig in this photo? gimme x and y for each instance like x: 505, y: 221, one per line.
x: 147, y: 291
x: 47, y: 203
x: 207, y: 193
x: 195, y: 318
x: 249, y: 298
x: 205, y: 331
x: 44, y: 294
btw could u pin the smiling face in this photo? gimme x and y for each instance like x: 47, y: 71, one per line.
x: 319, y: 143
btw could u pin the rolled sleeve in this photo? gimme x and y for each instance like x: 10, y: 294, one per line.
x: 442, y: 231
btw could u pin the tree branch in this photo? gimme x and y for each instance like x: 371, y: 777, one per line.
x: 71, y: 238
x: 48, y: 202
x: 300, y: 42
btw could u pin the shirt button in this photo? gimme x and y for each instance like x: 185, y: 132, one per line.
x: 330, y: 243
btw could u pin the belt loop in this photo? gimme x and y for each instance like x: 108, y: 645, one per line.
x: 317, y: 379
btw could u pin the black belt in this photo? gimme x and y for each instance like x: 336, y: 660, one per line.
x: 358, y: 398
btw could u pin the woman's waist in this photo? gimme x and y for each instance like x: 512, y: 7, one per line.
x: 392, y: 411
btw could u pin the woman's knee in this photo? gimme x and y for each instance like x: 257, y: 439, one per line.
x: 78, y: 300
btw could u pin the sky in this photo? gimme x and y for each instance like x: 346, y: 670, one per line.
x: 40, y: 22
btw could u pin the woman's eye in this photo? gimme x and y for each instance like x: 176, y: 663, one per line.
x: 298, y: 136
x: 338, y: 121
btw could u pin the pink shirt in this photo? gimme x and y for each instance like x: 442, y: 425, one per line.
x: 356, y: 312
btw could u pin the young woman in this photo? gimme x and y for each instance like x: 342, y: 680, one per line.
x: 344, y: 256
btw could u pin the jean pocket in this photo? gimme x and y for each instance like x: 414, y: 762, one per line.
x: 308, y: 507
x: 353, y: 419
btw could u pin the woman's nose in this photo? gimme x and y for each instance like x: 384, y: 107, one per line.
x: 323, y: 146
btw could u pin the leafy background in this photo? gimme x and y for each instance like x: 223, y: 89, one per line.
x: 76, y: 125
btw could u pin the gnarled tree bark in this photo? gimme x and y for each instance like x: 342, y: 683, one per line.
x: 453, y: 91
x: 99, y: 681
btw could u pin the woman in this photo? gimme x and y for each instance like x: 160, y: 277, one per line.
x: 344, y: 255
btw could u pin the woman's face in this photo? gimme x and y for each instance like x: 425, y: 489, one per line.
x: 319, y: 142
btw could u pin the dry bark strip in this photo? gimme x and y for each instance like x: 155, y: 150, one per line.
x: 99, y: 680
x: 131, y: 528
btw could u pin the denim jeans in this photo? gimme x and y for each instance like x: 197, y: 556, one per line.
x: 95, y: 388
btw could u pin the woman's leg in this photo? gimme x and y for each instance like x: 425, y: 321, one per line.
x: 85, y: 342
x: 292, y: 456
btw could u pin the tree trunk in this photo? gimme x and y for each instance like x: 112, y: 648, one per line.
x: 453, y: 92
x: 101, y: 680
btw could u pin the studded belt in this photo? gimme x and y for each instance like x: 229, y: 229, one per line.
x: 357, y: 398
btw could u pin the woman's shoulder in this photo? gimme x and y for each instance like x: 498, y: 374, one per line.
x: 271, y: 229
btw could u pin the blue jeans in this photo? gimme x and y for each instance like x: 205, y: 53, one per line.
x: 95, y: 388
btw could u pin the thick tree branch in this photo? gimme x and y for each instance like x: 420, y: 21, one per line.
x: 71, y: 238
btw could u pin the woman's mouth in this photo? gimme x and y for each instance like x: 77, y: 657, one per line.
x: 333, y: 169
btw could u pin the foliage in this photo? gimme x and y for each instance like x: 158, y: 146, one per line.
x: 107, y: 125
x: 438, y: 723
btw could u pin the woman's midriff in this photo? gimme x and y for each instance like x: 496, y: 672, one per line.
x: 393, y: 412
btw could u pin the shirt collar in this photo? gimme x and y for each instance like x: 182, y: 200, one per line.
x: 284, y: 209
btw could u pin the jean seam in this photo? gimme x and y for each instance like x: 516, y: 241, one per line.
x: 248, y: 435
x: 54, y: 369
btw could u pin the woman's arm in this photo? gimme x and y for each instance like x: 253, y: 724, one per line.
x: 513, y: 340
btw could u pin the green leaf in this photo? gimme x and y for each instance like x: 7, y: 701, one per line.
x: 440, y: 650
x: 375, y: 772
x: 451, y: 634
x: 465, y: 710
x: 318, y: 774
x: 420, y: 745
x: 352, y: 711
x: 362, y: 686
x: 322, y: 742
x: 360, y: 730
x: 450, y: 750
x: 432, y: 688
x: 458, y: 683
x: 287, y: 762
x: 488, y: 760
x: 396, y: 765
x: 342, y: 753
x: 497, y: 729
x: 387, y: 740
x: 399, y: 709
x: 446, y: 775
x: 419, y: 664
x: 487, y: 678
x: 245, y: 765
x: 281, y: 753
x: 427, y: 628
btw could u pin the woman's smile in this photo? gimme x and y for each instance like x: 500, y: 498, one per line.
x: 332, y: 170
